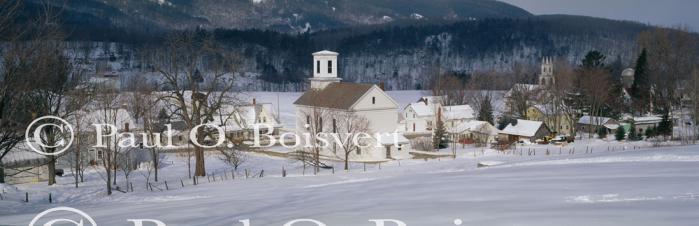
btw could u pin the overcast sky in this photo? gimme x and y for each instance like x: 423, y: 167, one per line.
x: 656, y: 12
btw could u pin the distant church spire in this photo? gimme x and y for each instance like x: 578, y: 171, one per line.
x: 546, y: 78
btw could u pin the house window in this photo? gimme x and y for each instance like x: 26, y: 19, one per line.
x: 330, y: 66
x: 400, y: 147
x: 334, y: 126
x: 359, y: 151
x: 100, y: 154
x: 373, y: 100
x: 318, y: 67
x: 320, y: 124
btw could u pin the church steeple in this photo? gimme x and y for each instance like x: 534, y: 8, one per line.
x: 324, y: 69
x: 546, y: 78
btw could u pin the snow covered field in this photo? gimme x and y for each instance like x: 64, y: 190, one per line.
x: 657, y: 186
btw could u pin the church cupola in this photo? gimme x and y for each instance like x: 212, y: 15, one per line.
x: 324, y: 69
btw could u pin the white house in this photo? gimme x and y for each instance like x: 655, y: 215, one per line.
x: 239, y: 121
x: 329, y: 106
x: 456, y: 115
x: 420, y: 118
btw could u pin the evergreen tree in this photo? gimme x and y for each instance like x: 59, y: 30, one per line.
x: 486, y: 111
x: 439, y: 140
x: 506, y: 120
x: 665, y: 126
x: 593, y: 59
x: 633, y: 136
x: 640, y: 90
x: 620, y: 133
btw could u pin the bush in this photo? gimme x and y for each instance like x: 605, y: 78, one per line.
x: 651, y: 132
x: 620, y: 133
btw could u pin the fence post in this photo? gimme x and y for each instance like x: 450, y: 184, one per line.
x: 262, y: 173
x: 365, y: 167
x: 283, y: 172
x: 166, y: 187
x: 50, y: 198
x: 131, y: 185
x: 26, y: 197
x: 333, y: 169
x: 182, y: 182
x: 246, y: 174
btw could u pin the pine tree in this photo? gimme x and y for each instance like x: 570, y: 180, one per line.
x: 486, y: 111
x: 632, y: 133
x: 640, y: 90
x: 665, y: 126
x: 439, y: 140
x: 620, y: 133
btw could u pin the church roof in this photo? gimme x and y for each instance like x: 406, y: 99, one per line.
x: 338, y: 95
x: 325, y: 52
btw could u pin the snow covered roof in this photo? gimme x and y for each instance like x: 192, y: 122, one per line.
x: 525, y: 128
x: 392, y: 138
x: 119, y: 117
x: 475, y: 126
x: 457, y: 112
x: 647, y: 120
x: 595, y: 120
x: 325, y: 53
x: 421, y: 109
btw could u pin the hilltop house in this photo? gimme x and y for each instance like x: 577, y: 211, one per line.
x: 329, y: 106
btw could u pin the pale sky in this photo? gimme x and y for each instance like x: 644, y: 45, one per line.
x: 656, y: 12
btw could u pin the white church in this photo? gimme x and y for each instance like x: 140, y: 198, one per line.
x: 326, y: 105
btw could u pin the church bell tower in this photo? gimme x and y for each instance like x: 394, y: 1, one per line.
x: 324, y: 69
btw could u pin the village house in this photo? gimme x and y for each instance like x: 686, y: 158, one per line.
x: 524, y: 130
x: 419, y: 117
x: 480, y: 133
x: 330, y: 105
x: 646, y: 122
x: 558, y: 122
x: 241, y: 120
x: 592, y: 124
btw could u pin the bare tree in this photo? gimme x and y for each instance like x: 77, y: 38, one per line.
x: 347, y: 126
x: 198, y: 74
x: 596, y: 86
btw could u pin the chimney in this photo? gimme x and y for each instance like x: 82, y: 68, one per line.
x: 126, y: 127
x: 254, y: 101
x: 381, y: 86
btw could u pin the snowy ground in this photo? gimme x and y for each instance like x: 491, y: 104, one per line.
x: 589, y: 182
x: 651, y: 186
